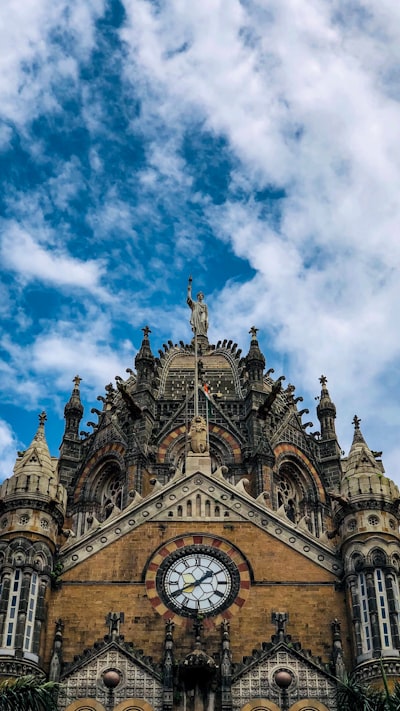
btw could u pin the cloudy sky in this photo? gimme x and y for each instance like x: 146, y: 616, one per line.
x: 253, y: 144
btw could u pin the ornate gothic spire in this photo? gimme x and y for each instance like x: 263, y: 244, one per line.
x: 326, y: 412
x: 255, y: 361
x: 73, y: 411
x: 36, y: 459
x: 144, y: 360
x: 361, y: 460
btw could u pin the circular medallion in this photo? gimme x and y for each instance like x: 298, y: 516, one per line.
x: 197, y: 576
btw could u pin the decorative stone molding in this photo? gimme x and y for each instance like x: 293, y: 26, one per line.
x: 159, y: 505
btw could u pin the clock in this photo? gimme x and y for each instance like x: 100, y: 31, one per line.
x: 198, y: 580
x: 197, y: 576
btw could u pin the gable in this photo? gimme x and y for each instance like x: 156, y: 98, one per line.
x: 203, y: 491
x: 85, y: 679
x: 256, y: 679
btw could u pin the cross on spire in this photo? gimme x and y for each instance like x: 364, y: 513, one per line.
x: 356, y: 422
x: 42, y: 418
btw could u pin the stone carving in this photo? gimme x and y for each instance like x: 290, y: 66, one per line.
x: 198, y: 435
x: 309, y: 682
x: 199, y: 317
x: 87, y: 681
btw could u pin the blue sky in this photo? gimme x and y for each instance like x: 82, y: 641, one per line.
x: 253, y: 144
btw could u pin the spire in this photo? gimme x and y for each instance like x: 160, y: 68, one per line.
x: 73, y: 411
x: 144, y: 360
x: 255, y: 361
x: 326, y: 412
x: 357, y: 437
x: 36, y: 459
x: 361, y: 460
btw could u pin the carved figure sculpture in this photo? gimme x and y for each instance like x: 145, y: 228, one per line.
x: 198, y: 435
x: 199, y: 317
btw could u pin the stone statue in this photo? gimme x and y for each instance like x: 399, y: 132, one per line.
x: 198, y: 435
x: 199, y: 317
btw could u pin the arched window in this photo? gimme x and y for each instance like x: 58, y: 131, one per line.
x: 379, y: 595
x: 296, y: 494
x: 12, y: 610
x: 112, y: 494
x: 30, y: 613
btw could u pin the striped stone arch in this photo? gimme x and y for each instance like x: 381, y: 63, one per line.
x: 111, y: 451
x: 308, y: 705
x: 292, y: 454
x: 260, y: 705
x: 85, y: 705
x: 134, y: 705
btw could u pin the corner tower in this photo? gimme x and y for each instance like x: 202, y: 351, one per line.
x: 32, y: 514
x: 367, y: 517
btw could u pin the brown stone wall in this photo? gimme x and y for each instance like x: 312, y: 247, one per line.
x: 113, y: 580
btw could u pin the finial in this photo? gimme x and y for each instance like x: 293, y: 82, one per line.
x: 77, y: 381
x: 42, y: 418
x: 356, y: 422
x: 146, y: 331
x: 280, y: 620
x: 323, y: 380
x: 253, y: 332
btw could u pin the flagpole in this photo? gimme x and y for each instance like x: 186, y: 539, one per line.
x: 208, y: 429
x: 196, y: 377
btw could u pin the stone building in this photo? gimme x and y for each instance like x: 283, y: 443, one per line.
x: 200, y: 548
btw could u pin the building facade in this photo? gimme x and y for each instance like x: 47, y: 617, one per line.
x: 200, y: 548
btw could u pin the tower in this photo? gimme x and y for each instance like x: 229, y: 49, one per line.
x: 366, y: 513
x: 209, y: 551
x: 33, y: 506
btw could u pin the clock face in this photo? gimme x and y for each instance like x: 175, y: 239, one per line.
x: 198, y: 581
x: 197, y: 575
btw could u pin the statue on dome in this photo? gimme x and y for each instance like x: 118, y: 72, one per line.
x: 199, y: 317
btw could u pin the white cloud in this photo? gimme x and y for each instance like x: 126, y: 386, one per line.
x: 307, y: 94
x: 31, y: 61
x: 8, y: 450
x: 22, y: 254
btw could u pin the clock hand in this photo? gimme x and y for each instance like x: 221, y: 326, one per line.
x: 206, y: 575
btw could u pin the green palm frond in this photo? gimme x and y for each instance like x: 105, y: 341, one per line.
x: 354, y: 696
x: 28, y: 693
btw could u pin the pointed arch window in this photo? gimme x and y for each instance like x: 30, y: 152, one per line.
x: 30, y: 613
x: 12, y: 611
x: 373, y: 595
x: 112, y: 495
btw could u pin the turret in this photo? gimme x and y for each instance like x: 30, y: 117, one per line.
x: 329, y: 449
x: 367, y: 518
x: 70, y: 448
x: 144, y: 361
x: 33, y: 506
x: 73, y: 411
x: 326, y: 412
x: 255, y: 361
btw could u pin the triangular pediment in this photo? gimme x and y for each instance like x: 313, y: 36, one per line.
x: 138, y: 674
x: 254, y: 678
x: 212, y: 498
x: 108, y: 431
x: 124, y: 652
